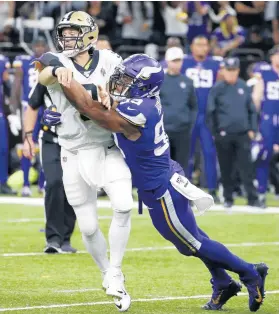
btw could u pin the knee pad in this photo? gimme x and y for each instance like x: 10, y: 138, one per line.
x: 120, y: 194
x: 122, y: 218
x: 87, y: 218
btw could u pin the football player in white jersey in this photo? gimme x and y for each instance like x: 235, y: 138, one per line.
x: 89, y: 157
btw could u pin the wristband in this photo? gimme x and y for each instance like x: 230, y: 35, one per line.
x: 28, y: 133
x: 54, y: 69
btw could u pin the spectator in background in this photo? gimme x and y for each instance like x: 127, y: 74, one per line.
x: 102, y: 13
x: 266, y: 97
x: 204, y: 70
x: 249, y: 13
x: 198, y: 19
x: 179, y: 101
x: 103, y: 43
x: 233, y: 120
x: 58, y: 9
x: 7, y: 11
x: 136, y: 18
x: 4, y: 146
x: 175, y: 19
x: 228, y: 36
x: 171, y: 42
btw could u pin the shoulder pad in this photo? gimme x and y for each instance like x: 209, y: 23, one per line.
x: 130, y: 110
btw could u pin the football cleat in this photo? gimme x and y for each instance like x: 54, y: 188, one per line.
x: 113, y: 284
x: 256, y: 287
x: 26, y: 191
x: 221, y: 296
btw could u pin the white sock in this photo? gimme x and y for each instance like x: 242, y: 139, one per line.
x: 96, y: 246
x: 119, y: 233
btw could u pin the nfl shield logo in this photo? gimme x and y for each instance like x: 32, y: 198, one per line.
x: 64, y: 159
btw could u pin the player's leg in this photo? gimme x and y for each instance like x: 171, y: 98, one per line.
x: 36, y: 132
x: 181, y: 146
x: 69, y: 225
x: 267, y: 131
x: 252, y: 276
x: 225, y: 150
x: 118, y: 187
x: 4, y: 157
x: 25, y: 167
x: 245, y: 167
x: 83, y: 199
x: 210, y: 160
x: 193, y: 141
x: 176, y: 222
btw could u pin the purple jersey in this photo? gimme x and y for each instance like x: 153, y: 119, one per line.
x: 148, y: 157
x: 4, y: 64
x: 198, y: 24
x: 204, y: 75
x: 29, y: 73
x: 224, y: 39
x: 270, y: 103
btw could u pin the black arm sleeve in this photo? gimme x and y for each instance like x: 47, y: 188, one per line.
x: 36, y: 96
x: 49, y: 59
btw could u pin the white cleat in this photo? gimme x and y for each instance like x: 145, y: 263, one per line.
x: 26, y: 191
x: 113, y: 284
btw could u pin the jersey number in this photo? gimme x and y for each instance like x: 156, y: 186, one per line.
x: 272, y: 90
x: 161, y: 138
x: 92, y: 91
x: 202, y: 78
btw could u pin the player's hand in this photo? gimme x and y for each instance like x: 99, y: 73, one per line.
x: 64, y: 76
x: 251, y: 135
x: 29, y: 150
x: 105, y: 97
x: 15, y: 123
x: 51, y: 117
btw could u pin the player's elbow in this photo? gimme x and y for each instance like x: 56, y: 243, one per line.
x: 46, y: 78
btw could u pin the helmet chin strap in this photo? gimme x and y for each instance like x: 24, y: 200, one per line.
x: 74, y: 52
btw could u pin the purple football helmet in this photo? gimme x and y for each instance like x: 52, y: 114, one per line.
x: 138, y: 76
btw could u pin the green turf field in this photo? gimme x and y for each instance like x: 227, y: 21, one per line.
x: 160, y: 280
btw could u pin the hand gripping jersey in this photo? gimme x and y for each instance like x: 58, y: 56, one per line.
x: 76, y: 131
x: 148, y: 157
x: 29, y: 75
x: 4, y: 65
x: 204, y: 75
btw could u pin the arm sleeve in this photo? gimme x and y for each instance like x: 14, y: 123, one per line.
x: 36, y: 96
x: 252, y: 113
x: 47, y: 59
x: 132, y: 113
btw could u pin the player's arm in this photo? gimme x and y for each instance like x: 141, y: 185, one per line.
x: 95, y: 110
x: 15, y: 100
x: 258, y: 93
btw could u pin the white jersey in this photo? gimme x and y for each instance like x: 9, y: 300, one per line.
x: 77, y: 131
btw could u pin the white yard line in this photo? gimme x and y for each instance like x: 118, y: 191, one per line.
x: 106, y: 204
x: 78, y: 290
x: 51, y: 306
x: 141, y: 249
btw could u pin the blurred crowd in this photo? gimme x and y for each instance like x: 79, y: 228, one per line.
x: 247, y: 29
x: 139, y: 23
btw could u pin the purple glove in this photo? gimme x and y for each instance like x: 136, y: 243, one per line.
x: 51, y: 117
